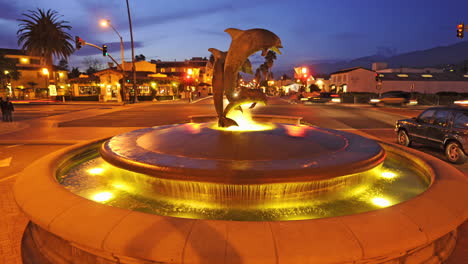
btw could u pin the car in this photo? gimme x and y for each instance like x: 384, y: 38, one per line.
x: 325, y: 98
x: 445, y: 127
x: 394, y: 98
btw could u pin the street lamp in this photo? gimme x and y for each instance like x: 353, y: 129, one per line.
x: 107, y: 23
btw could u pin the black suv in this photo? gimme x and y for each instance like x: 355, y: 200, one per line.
x: 444, y: 127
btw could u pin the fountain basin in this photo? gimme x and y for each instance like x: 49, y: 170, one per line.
x: 66, y: 227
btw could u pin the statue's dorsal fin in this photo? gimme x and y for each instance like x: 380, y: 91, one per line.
x: 234, y: 32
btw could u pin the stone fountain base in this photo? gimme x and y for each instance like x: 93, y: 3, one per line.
x: 66, y: 228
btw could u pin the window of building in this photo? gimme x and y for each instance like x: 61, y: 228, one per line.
x: 89, y: 90
x: 172, y: 69
x: 163, y: 70
x: 426, y: 75
x: 402, y: 75
x: 345, y: 78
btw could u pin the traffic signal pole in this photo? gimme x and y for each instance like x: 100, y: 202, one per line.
x: 104, y: 50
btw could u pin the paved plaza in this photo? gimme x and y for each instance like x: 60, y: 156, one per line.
x: 30, y: 139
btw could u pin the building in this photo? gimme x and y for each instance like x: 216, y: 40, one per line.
x: 106, y: 85
x: 422, y: 80
x: 35, y: 81
x: 356, y: 79
x: 196, y: 73
x: 429, y: 83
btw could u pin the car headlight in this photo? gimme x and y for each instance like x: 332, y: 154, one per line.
x: 461, y: 102
x: 336, y: 100
x: 374, y: 100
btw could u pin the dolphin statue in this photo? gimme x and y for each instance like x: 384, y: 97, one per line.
x: 245, y: 96
x: 218, y: 89
x: 245, y: 43
x: 217, y: 83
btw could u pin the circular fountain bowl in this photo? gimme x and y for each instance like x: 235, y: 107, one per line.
x: 289, y: 163
x: 67, y: 228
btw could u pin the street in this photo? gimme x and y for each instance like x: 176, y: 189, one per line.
x: 73, y: 122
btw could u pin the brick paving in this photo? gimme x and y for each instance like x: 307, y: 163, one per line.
x: 12, y: 224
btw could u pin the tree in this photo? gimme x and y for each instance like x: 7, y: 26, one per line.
x: 42, y: 33
x: 93, y: 65
x: 74, y: 73
x: 8, y: 72
x: 140, y: 57
x: 264, y: 70
x: 63, y: 65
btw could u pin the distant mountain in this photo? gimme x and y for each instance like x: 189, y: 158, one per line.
x: 435, y: 57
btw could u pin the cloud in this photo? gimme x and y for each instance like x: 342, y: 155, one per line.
x: 210, y: 32
x: 10, y: 11
x: 349, y: 36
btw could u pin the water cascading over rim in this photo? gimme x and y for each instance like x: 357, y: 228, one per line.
x: 288, y: 163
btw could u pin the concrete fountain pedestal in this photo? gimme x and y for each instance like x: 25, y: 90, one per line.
x: 66, y: 228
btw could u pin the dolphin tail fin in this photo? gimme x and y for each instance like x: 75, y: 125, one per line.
x: 240, y: 109
x: 253, y: 105
x: 226, y: 122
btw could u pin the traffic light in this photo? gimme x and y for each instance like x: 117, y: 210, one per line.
x: 104, y: 50
x: 461, y: 30
x: 78, y: 42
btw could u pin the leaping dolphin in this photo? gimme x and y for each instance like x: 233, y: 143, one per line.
x: 245, y: 43
x: 245, y: 96
x: 218, y: 90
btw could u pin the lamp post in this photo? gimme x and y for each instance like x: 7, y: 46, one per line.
x: 107, y: 23
x: 45, y: 72
x: 133, y: 54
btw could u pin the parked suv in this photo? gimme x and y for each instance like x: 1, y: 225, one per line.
x: 394, y: 98
x: 445, y: 127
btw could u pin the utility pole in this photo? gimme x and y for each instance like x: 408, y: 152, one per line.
x: 133, y: 54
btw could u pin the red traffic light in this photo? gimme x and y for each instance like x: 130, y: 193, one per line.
x: 461, y: 30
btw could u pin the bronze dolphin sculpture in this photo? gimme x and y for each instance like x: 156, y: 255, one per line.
x: 218, y: 90
x: 245, y: 96
x: 245, y: 43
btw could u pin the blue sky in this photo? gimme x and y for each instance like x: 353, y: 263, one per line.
x: 310, y: 30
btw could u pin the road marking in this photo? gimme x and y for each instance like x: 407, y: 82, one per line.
x: 12, y: 146
x: 5, y: 162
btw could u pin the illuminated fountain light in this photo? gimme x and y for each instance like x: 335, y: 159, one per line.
x: 95, y: 171
x: 245, y: 121
x: 381, y: 202
x: 102, y: 196
x: 388, y: 175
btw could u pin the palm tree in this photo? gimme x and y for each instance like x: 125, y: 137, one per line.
x: 42, y: 33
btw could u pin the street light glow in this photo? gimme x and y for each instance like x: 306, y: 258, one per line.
x: 45, y: 71
x: 105, y: 22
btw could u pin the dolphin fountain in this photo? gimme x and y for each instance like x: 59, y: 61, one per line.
x: 228, y: 64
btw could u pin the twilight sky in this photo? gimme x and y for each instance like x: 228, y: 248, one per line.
x: 310, y: 30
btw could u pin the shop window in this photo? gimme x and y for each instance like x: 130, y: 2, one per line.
x: 89, y: 90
